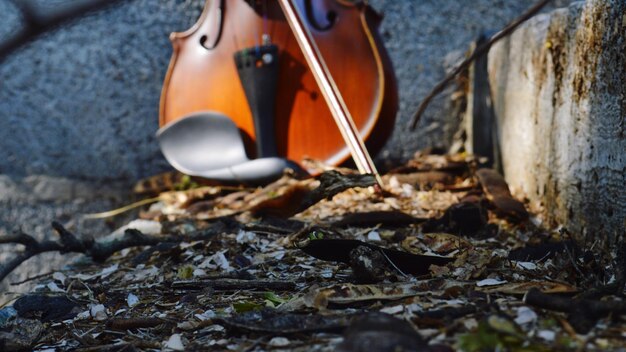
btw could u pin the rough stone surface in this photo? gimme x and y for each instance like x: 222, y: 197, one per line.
x: 560, y: 97
x: 82, y: 101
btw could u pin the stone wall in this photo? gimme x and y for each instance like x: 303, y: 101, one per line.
x: 559, y: 94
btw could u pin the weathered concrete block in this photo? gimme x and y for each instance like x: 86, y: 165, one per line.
x: 559, y: 93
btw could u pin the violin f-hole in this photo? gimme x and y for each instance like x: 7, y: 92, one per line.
x: 218, y: 28
x: 331, y: 16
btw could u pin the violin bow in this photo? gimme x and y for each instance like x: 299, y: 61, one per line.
x: 329, y: 89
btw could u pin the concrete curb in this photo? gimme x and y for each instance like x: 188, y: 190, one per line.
x: 558, y: 86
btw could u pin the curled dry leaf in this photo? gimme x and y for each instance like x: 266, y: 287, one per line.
x: 345, y: 294
x: 281, y: 322
x: 520, y: 288
x: 440, y: 243
x: 338, y: 250
x: 497, y: 191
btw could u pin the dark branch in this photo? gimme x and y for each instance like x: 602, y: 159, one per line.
x: 98, y: 251
x: 582, y: 313
x: 234, y: 285
x: 18, y: 237
x: 30, y: 251
x: 38, y: 22
x: 482, y: 49
x: 333, y: 182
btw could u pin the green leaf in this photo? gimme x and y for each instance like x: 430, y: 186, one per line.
x: 272, y: 297
x: 549, y: 323
x: 242, y: 307
x: 482, y: 339
x: 505, y: 326
x: 316, y: 235
x: 497, y: 334
x: 185, y: 272
x: 185, y: 183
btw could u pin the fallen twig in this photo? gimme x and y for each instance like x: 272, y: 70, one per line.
x: 134, y: 323
x: 449, y: 312
x: 582, y: 313
x: 497, y: 191
x: 121, y: 346
x: 121, y: 210
x: 482, y: 49
x: 98, y: 251
x: 31, y: 278
x: 31, y: 250
x: 234, y: 285
x: 296, y: 196
x: 333, y: 182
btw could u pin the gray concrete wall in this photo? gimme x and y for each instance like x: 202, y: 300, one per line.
x: 82, y: 101
x: 559, y: 86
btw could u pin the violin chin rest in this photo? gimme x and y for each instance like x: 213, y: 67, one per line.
x: 208, y: 145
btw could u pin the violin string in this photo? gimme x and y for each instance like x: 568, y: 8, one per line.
x: 256, y: 39
x: 265, y: 31
x: 236, y: 42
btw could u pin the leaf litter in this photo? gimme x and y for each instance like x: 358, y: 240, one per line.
x: 444, y: 258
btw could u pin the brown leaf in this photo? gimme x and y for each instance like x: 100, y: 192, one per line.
x: 497, y: 191
x: 283, y: 204
x: 320, y: 298
x: 339, y: 251
x: 520, y: 288
x: 424, y: 179
x: 440, y: 243
x: 287, y: 197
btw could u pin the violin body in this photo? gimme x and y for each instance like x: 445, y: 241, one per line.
x: 202, y: 74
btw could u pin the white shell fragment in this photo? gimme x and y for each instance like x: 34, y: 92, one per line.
x: 98, y: 312
x: 374, y: 236
x: 60, y: 277
x: 525, y: 315
x: 132, y: 300
x: 209, y: 314
x: 175, y: 343
x: 217, y: 260
x: 245, y: 237
x: 147, y: 227
x: 490, y: 282
x: 393, y: 310
x: 279, y: 341
x: 547, y: 335
x: 53, y: 287
x: 199, y: 273
x: 526, y: 265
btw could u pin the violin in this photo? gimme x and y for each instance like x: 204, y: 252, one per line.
x: 289, y: 115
